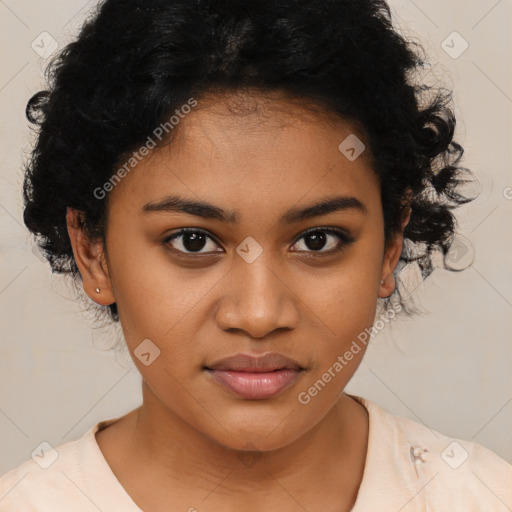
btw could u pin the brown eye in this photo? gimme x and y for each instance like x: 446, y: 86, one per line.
x: 192, y: 241
x: 323, y: 240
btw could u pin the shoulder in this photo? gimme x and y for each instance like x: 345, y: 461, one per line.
x: 35, y: 483
x: 53, y: 476
x: 445, y: 472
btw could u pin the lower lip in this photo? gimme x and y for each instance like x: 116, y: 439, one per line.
x: 255, y: 385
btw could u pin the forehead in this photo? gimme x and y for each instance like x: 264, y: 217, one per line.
x: 248, y: 151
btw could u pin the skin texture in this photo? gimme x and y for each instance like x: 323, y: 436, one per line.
x: 188, y: 444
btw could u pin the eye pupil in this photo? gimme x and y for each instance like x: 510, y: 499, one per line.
x: 193, y: 241
x: 315, y: 241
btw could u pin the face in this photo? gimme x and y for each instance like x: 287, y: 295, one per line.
x: 262, y: 269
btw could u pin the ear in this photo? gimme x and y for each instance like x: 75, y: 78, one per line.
x: 392, y: 255
x: 90, y: 260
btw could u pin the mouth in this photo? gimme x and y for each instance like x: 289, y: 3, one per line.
x: 255, y: 377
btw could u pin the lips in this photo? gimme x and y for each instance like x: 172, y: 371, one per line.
x: 255, y: 377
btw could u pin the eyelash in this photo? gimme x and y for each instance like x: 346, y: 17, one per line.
x: 344, y: 237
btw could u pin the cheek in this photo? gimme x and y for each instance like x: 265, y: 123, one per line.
x: 346, y: 307
x: 163, y: 303
x: 346, y: 298
x: 345, y: 302
x: 151, y: 296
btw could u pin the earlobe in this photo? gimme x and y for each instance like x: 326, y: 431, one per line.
x: 90, y: 260
x: 391, y: 257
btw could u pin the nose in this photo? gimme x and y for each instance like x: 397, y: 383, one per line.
x: 257, y: 300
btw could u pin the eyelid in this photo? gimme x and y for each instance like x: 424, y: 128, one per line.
x: 183, y: 231
x: 345, y: 237
x: 342, y: 233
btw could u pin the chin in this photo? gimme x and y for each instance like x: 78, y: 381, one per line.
x: 261, y: 436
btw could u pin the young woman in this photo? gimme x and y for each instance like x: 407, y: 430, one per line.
x: 238, y: 184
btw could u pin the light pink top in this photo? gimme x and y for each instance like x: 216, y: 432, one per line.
x: 409, y: 468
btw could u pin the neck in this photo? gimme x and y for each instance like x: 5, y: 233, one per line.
x: 173, y: 456
x: 335, y: 445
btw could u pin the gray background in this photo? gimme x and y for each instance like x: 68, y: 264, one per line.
x: 450, y: 368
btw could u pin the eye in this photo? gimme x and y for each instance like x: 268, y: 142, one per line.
x: 320, y: 240
x: 316, y: 239
x: 192, y: 241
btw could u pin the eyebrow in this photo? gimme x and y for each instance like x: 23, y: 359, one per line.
x: 174, y: 203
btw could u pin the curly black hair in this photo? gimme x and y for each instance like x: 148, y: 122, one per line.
x: 135, y: 62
